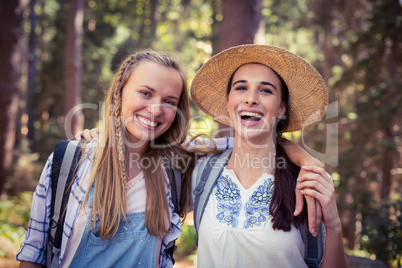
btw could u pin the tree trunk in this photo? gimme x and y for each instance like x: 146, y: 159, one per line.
x: 241, y: 20
x: 72, y: 74
x: 153, y: 18
x: 390, y: 152
x: 240, y: 23
x: 11, y: 50
x: 33, y: 43
x: 215, y: 26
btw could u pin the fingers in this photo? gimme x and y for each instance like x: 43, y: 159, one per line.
x: 94, y: 133
x: 318, y: 214
x: 88, y: 135
x: 317, y: 178
x: 78, y: 135
x: 314, y: 210
x: 316, y: 186
x: 299, y: 203
x: 311, y: 213
x: 330, y: 215
x: 299, y: 197
x: 318, y: 170
x: 320, y: 183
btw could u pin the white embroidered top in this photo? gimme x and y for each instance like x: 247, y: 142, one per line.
x: 236, y: 228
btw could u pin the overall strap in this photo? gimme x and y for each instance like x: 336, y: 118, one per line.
x: 206, y: 178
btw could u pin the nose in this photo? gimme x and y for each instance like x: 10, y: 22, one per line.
x: 155, y: 109
x: 251, y: 98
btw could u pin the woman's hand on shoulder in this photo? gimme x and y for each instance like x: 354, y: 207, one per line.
x: 314, y: 210
x: 88, y: 134
x: 316, y: 183
x: 301, y: 157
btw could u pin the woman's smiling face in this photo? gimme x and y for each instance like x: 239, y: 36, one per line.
x: 254, y: 102
x: 149, y: 101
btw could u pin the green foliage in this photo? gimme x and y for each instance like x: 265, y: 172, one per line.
x: 381, y: 231
x: 16, y: 210
x: 288, y: 25
x: 14, y: 218
x: 186, y: 244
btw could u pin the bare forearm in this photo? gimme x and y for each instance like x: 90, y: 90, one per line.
x: 298, y: 155
x: 334, y: 254
x: 27, y: 264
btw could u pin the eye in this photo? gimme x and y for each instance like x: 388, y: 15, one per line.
x: 267, y: 91
x: 145, y: 93
x: 241, y: 88
x: 169, y: 102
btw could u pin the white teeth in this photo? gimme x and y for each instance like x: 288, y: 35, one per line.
x: 257, y: 115
x: 147, y: 122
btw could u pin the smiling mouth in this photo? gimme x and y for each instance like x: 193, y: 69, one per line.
x: 147, y: 121
x: 250, y: 116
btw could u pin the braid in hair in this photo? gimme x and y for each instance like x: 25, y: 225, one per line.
x: 117, y: 101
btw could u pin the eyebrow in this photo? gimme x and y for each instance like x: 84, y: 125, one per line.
x: 153, y: 90
x: 262, y: 82
x: 268, y: 84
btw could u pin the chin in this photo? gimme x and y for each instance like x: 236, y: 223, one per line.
x: 254, y: 133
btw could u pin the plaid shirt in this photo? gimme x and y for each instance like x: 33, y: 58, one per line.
x: 33, y: 249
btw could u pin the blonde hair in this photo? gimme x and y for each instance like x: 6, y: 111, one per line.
x: 109, y: 170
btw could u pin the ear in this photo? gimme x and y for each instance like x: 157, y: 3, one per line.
x: 282, y: 110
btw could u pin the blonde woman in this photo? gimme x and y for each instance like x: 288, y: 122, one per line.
x: 120, y: 212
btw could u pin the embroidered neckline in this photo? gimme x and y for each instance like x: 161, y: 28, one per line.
x: 234, y: 210
x: 257, y: 182
x: 134, y: 180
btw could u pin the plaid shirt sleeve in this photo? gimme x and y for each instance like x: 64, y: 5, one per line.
x: 33, y: 249
x: 221, y: 143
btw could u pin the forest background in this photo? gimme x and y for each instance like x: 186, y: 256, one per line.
x: 57, y: 54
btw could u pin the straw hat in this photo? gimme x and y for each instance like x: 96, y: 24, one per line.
x: 308, y: 94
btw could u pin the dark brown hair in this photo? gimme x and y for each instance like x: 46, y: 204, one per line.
x: 284, y: 198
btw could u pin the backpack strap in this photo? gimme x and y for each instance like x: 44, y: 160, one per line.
x: 206, y: 176
x: 314, y: 246
x: 64, y: 164
x: 175, y: 178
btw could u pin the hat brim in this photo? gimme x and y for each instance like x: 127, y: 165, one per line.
x: 308, y: 94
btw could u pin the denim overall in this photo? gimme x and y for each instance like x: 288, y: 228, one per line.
x: 131, y: 246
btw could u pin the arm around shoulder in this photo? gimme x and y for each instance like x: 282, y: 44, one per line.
x: 298, y: 155
x: 219, y: 144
